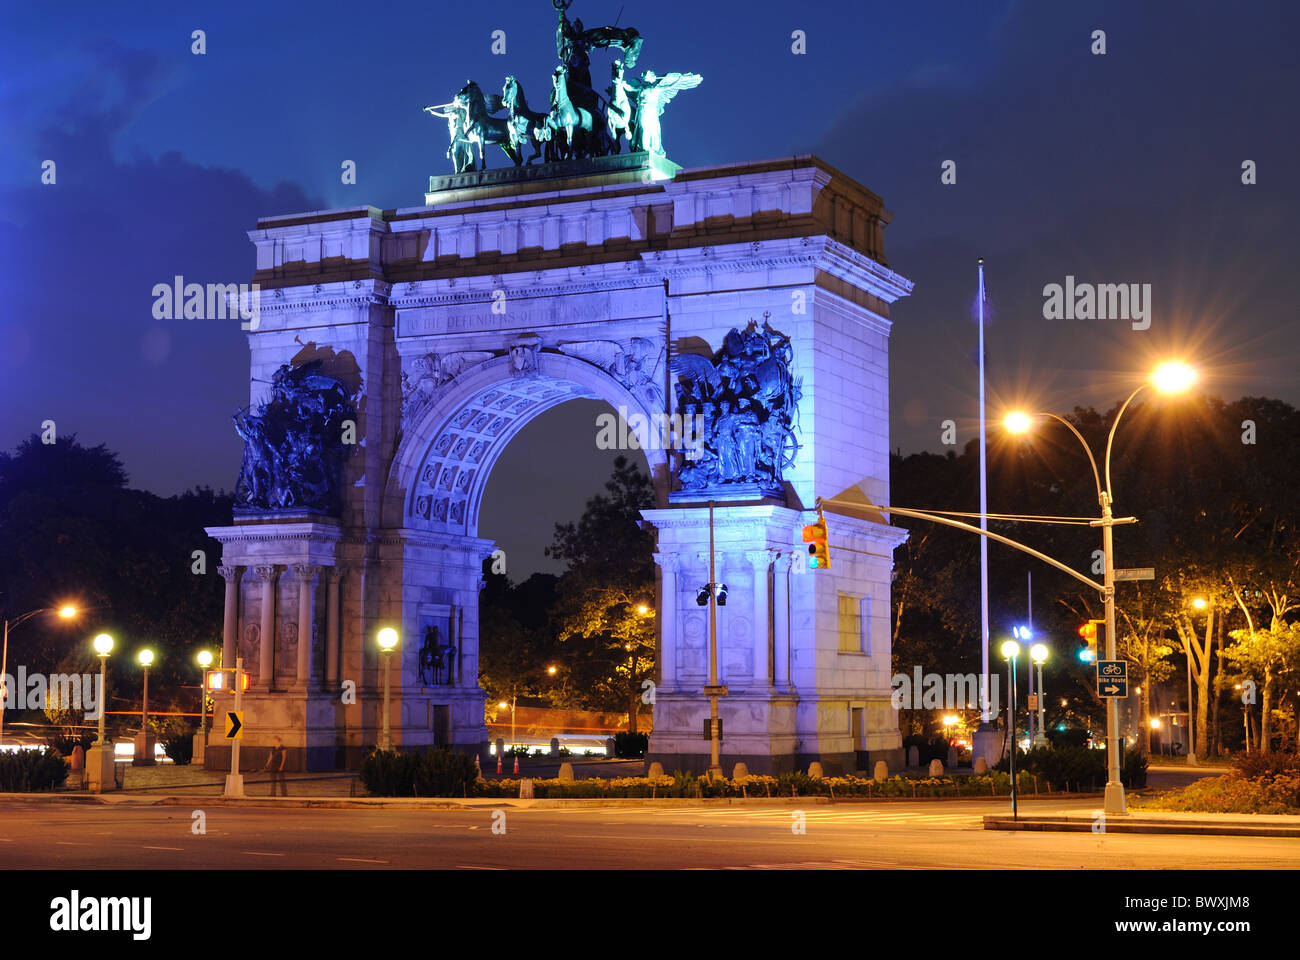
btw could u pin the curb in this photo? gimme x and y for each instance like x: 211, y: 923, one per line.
x: 1127, y: 825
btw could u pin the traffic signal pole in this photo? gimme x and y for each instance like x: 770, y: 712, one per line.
x: 1114, y: 800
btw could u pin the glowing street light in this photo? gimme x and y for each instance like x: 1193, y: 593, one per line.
x: 1170, y: 377
x: 1038, y: 654
x: 103, y: 645
x: 205, y: 661
x: 66, y: 612
x: 144, y: 747
x: 387, y: 639
x: 1017, y: 422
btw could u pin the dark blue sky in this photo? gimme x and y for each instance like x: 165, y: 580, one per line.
x: 1117, y: 168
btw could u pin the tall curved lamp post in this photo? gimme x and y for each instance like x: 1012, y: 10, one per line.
x: 65, y: 612
x: 201, y: 743
x: 1168, y: 378
x: 387, y: 641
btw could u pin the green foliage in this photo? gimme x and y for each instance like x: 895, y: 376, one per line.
x: 1078, y: 768
x: 1233, y: 794
x: 29, y: 771
x: 177, y: 738
x: 438, y: 772
x: 628, y: 744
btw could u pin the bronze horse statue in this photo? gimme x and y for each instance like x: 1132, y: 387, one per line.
x: 528, y: 126
x: 483, y: 128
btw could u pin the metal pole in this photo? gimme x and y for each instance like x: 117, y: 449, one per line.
x: 1042, y: 694
x: 1191, y: 730
x: 4, y: 671
x: 144, y: 707
x: 715, y: 763
x: 514, y: 700
x: 103, y: 696
x: 235, y: 781
x: 985, y: 716
x: 1029, y: 597
x: 1011, y: 732
x: 1114, y: 803
x: 384, y: 738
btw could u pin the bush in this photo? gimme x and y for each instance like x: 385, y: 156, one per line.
x: 434, y: 773
x: 29, y: 771
x: 628, y: 744
x: 1070, y: 737
x: 177, y: 738
x: 1267, y: 765
x: 1078, y: 768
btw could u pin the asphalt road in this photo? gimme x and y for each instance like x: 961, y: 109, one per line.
x: 838, y: 836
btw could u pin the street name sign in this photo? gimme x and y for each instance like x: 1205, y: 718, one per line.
x: 1136, y: 573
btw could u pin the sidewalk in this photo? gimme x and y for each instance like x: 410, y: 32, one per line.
x: 1152, y: 821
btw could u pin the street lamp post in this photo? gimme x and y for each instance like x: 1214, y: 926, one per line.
x: 387, y: 641
x: 67, y: 612
x: 1038, y: 654
x: 144, y: 748
x: 1011, y: 651
x: 205, y: 661
x: 101, y: 765
x: 1167, y: 378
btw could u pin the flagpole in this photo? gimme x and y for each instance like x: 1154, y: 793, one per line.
x: 985, y: 714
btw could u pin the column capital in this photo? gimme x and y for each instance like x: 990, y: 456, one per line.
x: 761, y: 559
x: 231, y: 574
x: 667, y: 560
x: 783, y: 561
x: 267, y: 571
x: 306, y: 571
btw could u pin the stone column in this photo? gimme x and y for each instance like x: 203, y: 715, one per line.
x: 306, y: 619
x: 230, y: 627
x: 781, y: 622
x: 668, y: 620
x: 761, y: 560
x: 332, y: 577
x: 266, y: 637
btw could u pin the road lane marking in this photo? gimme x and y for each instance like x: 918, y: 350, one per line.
x: 70, y: 843
x: 359, y: 860
x: 147, y: 847
x: 470, y: 866
x: 254, y: 853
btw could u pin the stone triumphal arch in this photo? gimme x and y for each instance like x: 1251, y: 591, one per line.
x: 413, y: 344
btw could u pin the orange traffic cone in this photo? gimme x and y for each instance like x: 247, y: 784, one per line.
x: 498, y: 763
x: 516, y: 764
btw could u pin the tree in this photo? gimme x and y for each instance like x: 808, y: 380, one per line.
x: 605, y: 601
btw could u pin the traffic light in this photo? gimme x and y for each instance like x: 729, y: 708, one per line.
x: 819, y: 553
x: 218, y: 680
x: 1091, y: 632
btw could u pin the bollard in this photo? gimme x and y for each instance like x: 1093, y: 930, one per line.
x: 981, y: 767
x: 882, y: 771
x: 566, y: 771
x: 656, y: 769
x: 609, y: 747
x: 815, y: 770
x: 526, y: 789
x: 913, y: 757
x: 936, y: 768
x: 555, y: 746
x: 738, y: 771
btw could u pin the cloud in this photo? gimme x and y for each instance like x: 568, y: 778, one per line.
x: 89, y: 249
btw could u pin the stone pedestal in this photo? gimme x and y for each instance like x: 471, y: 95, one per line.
x: 101, y: 769
x: 144, y: 750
